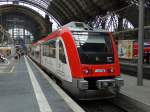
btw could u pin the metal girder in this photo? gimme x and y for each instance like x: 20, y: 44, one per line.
x: 59, y: 8
x: 82, y: 10
x: 67, y: 8
x: 147, y: 3
x: 131, y: 14
x: 35, y: 3
x: 64, y: 8
x: 92, y: 6
x: 57, y: 13
x: 56, y: 16
x: 31, y: 15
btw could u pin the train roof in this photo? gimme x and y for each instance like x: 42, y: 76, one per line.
x: 81, y: 26
x: 72, y: 26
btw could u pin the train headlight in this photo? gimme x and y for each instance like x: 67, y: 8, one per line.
x: 110, y: 70
x: 87, y: 71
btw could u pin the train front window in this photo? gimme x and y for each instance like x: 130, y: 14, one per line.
x: 94, y: 47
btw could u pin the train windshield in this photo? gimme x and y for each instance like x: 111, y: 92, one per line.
x: 94, y: 47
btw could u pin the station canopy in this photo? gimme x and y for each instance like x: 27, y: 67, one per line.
x: 111, y: 15
x: 77, y: 10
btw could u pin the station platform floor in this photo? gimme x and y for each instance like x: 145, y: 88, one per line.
x: 25, y: 88
x: 140, y: 95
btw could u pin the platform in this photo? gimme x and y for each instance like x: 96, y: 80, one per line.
x: 25, y: 89
x: 132, y: 97
x: 141, y: 93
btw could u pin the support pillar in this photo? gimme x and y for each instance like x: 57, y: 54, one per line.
x: 140, y: 43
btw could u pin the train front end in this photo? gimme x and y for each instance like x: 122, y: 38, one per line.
x: 99, y: 65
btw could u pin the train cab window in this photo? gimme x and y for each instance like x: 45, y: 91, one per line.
x: 94, y: 47
x: 62, y: 57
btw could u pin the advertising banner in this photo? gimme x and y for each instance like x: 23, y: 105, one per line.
x: 125, y: 49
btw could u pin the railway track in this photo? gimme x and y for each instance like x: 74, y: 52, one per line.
x: 100, y: 106
x: 94, y: 105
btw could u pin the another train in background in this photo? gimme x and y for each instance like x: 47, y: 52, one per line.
x: 84, y: 61
x: 128, y: 40
x: 129, y: 49
x: 127, y: 45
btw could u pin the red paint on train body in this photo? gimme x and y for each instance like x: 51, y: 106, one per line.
x: 77, y: 69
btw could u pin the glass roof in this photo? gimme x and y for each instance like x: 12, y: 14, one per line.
x: 40, y: 6
x: 39, y: 3
x: 58, y: 7
x: 42, y: 3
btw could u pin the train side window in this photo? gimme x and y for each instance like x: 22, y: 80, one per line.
x: 52, y: 48
x: 44, y: 50
x: 62, y: 57
x: 49, y: 49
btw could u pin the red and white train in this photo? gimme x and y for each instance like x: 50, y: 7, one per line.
x: 84, y: 61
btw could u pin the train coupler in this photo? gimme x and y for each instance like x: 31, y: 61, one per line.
x: 101, y: 84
